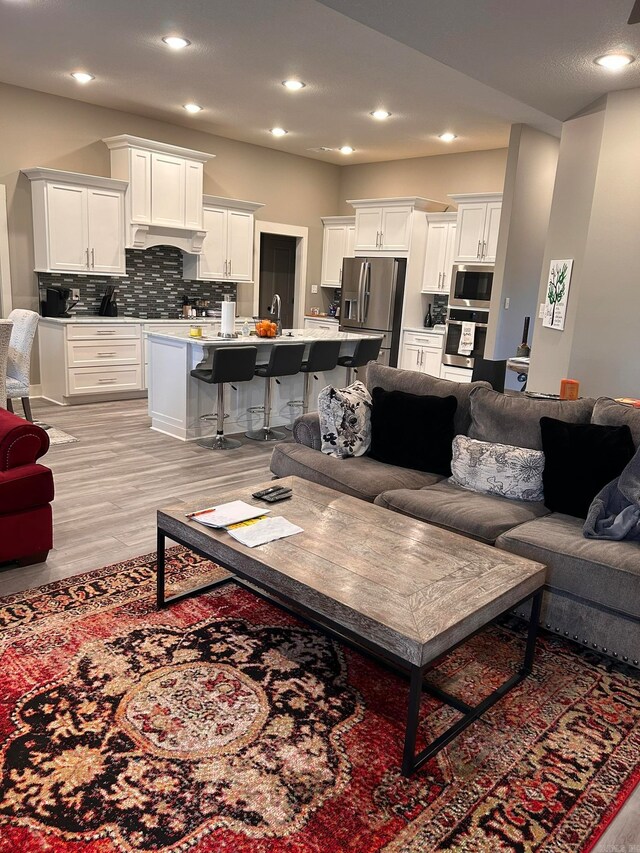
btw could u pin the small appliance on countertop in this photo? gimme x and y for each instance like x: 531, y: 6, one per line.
x: 58, y: 301
x: 109, y: 306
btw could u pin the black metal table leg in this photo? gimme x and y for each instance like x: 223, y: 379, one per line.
x: 160, y: 566
x: 412, y: 762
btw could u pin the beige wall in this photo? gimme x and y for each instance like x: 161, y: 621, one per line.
x: 60, y: 133
x: 526, y: 205
x: 429, y: 177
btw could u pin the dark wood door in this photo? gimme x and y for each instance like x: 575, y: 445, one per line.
x: 277, y: 274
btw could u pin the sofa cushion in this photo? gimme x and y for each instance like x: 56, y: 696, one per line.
x: 579, y: 460
x: 25, y: 487
x: 605, y: 573
x: 345, y: 420
x: 394, y: 379
x: 359, y: 476
x: 481, y: 517
x: 610, y: 413
x: 515, y: 418
x: 412, y: 430
x: 497, y: 469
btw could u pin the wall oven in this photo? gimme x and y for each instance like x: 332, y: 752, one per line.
x: 451, y: 353
x: 471, y: 286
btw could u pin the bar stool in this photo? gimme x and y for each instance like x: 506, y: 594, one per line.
x: 285, y: 360
x: 323, y: 355
x: 230, y: 364
x: 367, y: 349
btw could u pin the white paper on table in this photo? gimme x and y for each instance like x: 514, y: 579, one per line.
x: 230, y: 513
x: 263, y: 531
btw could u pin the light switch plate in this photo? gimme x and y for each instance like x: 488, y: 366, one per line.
x: 541, y: 311
x: 507, y: 302
x: 75, y: 293
x: 314, y: 288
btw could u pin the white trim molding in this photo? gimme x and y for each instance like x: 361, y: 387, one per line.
x: 6, y: 301
x: 301, y: 233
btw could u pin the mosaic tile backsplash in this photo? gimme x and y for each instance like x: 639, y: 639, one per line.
x: 152, y: 288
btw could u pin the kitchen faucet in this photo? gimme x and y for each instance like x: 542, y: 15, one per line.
x: 276, y: 308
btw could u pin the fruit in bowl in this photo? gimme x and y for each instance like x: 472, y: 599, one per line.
x: 266, y: 329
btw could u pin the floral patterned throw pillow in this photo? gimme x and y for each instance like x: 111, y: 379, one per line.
x: 345, y: 420
x: 497, y: 469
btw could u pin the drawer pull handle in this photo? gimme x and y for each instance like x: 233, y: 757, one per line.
x: 105, y: 332
x: 107, y: 380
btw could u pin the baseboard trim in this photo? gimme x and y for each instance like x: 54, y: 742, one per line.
x: 35, y: 390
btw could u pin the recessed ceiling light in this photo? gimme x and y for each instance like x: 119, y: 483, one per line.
x: 192, y: 108
x: 614, y: 61
x: 380, y: 114
x: 346, y: 149
x: 176, y: 42
x: 447, y: 137
x: 294, y: 85
x: 278, y: 131
x: 82, y: 76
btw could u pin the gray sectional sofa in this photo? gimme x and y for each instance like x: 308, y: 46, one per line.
x: 593, y: 587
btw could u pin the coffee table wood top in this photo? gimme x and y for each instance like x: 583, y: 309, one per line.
x: 410, y: 588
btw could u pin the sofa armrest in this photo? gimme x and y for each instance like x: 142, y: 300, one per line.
x: 306, y: 430
x: 21, y: 442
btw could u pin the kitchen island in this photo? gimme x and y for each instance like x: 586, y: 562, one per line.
x: 177, y: 400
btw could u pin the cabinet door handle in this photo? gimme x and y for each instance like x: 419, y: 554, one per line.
x: 439, y: 279
x: 377, y: 239
x: 340, y: 276
x: 484, y: 249
x: 86, y: 251
x: 381, y: 239
x: 107, y: 380
x: 105, y: 332
x: 444, y: 275
x: 229, y: 266
x: 478, y: 252
x: 105, y: 354
x: 93, y: 258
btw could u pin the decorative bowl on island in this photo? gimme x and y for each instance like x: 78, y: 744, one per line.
x: 266, y: 329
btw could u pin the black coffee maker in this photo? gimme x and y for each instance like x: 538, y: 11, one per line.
x: 56, y: 301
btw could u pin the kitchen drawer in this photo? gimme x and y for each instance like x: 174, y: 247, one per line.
x: 97, y: 353
x: 104, y: 380
x: 424, y: 340
x: 101, y: 331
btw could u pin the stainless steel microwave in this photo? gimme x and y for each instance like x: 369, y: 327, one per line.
x: 471, y: 286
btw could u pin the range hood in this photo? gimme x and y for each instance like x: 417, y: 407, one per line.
x: 163, y: 201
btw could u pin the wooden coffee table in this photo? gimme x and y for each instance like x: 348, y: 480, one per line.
x: 403, y: 590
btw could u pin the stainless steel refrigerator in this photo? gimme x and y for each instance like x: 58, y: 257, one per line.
x: 371, y: 301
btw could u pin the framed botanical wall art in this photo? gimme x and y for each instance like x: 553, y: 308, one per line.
x: 555, y: 303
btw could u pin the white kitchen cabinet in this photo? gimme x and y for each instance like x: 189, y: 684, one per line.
x: 422, y: 352
x: 455, y: 374
x: 85, y: 362
x: 227, y: 250
x: 321, y: 323
x: 478, y: 225
x: 338, y: 242
x: 383, y: 226
x: 78, y: 222
x: 441, y: 235
x: 163, y: 202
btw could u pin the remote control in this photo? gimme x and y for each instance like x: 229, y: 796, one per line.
x: 278, y: 496
x: 269, y: 491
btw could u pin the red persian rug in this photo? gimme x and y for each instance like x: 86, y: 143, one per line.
x: 224, y: 724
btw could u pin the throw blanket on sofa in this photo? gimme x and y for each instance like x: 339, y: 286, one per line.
x: 615, y: 510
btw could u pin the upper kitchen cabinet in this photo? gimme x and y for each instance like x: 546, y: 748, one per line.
x: 227, y: 250
x: 338, y: 242
x: 478, y: 227
x: 384, y: 225
x: 441, y: 236
x: 78, y: 222
x: 164, y: 197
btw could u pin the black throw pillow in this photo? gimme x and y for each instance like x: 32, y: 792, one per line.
x: 412, y: 430
x: 579, y: 460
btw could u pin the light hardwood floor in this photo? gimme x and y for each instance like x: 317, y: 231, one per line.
x: 109, y: 485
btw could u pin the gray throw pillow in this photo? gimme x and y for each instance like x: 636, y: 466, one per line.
x: 497, y: 469
x: 608, y: 412
x: 345, y: 420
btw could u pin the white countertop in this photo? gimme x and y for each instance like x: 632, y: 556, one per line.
x: 435, y: 330
x: 297, y: 336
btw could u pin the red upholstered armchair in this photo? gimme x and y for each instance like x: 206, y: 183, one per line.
x: 26, y: 489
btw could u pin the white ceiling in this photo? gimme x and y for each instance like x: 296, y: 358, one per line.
x: 471, y: 66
